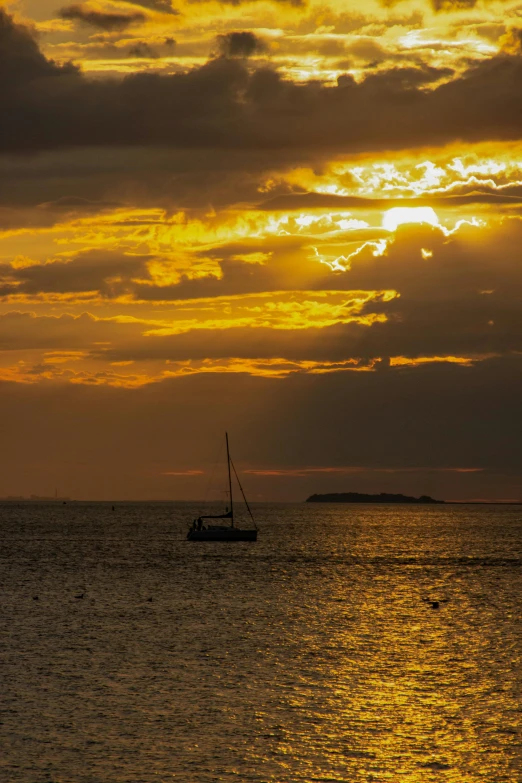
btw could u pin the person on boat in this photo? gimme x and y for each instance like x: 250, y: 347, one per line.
x: 200, y: 523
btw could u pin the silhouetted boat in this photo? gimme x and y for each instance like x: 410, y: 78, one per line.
x: 200, y: 532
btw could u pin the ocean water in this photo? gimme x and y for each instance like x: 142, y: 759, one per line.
x: 309, y: 656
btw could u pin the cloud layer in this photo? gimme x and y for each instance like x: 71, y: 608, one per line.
x: 105, y: 21
x: 224, y: 104
x: 308, y: 225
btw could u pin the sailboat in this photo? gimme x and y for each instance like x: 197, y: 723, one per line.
x: 226, y: 532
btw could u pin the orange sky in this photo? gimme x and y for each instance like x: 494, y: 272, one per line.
x: 296, y: 220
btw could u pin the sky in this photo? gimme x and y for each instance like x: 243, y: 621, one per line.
x: 295, y: 220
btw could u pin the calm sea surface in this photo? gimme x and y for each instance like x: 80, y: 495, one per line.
x: 309, y: 656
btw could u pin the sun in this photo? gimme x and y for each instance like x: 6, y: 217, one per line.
x: 398, y: 215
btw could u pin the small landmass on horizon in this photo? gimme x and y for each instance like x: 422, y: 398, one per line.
x: 358, y: 497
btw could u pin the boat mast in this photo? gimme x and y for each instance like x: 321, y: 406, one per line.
x: 229, y: 482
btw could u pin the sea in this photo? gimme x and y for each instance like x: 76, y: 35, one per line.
x: 350, y: 643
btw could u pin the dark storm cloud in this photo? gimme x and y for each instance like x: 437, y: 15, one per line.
x: 335, y: 344
x: 464, y: 300
x: 332, y: 344
x: 453, y: 5
x: 291, y: 262
x: 461, y: 297
x: 21, y: 331
x: 295, y: 3
x: 71, y: 206
x: 144, y: 50
x: 440, y: 5
x: 191, y: 180
x: 28, y: 218
x: 240, y: 44
x: 21, y: 61
x: 164, y: 6
x: 144, y: 177
x: 106, y: 272
x: 51, y: 213
x: 104, y: 20
x: 225, y: 105
x: 303, y: 201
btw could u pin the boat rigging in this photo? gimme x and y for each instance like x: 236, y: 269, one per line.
x: 201, y: 532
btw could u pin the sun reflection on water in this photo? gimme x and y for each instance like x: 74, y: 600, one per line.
x: 315, y: 656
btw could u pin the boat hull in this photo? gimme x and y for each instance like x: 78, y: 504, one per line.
x: 228, y: 534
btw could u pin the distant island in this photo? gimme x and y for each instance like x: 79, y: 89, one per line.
x: 357, y: 497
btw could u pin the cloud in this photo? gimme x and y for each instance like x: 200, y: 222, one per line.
x: 421, y: 296
x: 453, y: 5
x: 107, y: 273
x: 347, y: 470
x: 104, y: 20
x: 448, y: 6
x: 142, y: 49
x: 21, y: 61
x: 312, y: 201
x: 183, y: 473
x: 396, y: 420
x: 228, y: 305
x: 236, y: 3
x: 149, y: 176
x: 240, y: 44
x: 480, y: 318
x: 225, y: 105
x: 163, y: 6
x: 74, y: 205
x: 51, y: 213
x: 511, y: 42
x: 25, y: 331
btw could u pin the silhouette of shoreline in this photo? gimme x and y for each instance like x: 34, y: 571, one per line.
x: 357, y: 497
